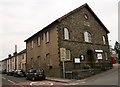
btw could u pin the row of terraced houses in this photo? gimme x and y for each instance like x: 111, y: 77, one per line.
x: 78, y: 38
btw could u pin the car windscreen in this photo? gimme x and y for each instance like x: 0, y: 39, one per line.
x: 40, y: 71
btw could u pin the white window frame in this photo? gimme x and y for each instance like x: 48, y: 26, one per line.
x: 47, y: 36
x: 104, y: 40
x: 32, y: 44
x: 87, y: 37
x: 38, y: 40
x: 66, y: 34
x: 68, y: 53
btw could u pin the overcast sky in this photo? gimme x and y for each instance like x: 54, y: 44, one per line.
x: 20, y: 19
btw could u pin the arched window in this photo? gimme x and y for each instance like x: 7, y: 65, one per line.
x: 47, y: 36
x: 66, y: 34
x: 87, y: 37
x: 68, y: 55
x: 38, y: 40
x: 104, y: 41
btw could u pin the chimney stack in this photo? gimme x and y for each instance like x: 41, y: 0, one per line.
x: 9, y: 55
x: 15, y: 48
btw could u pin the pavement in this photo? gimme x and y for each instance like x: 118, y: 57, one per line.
x: 59, y: 79
x: 69, y: 80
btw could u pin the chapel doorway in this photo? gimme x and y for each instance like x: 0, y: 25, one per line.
x: 90, y: 58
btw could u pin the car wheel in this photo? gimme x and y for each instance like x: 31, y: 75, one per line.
x: 33, y: 78
x: 43, y: 78
x: 26, y: 78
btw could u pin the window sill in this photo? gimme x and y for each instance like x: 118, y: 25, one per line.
x: 47, y: 42
x: 39, y: 46
x: 68, y: 60
x: 66, y: 39
x: 88, y: 42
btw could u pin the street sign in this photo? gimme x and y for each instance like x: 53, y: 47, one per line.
x: 62, y: 54
x: 63, y: 58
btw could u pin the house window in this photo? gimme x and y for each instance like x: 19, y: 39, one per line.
x: 87, y: 37
x: 66, y: 34
x: 32, y: 44
x: 68, y: 55
x: 38, y: 40
x: 48, y: 59
x: 104, y: 41
x: 106, y: 56
x: 47, y: 36
x: 22, y: 56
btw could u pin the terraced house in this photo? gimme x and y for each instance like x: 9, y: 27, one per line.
x: 16, y: 62
x: 83, y: 38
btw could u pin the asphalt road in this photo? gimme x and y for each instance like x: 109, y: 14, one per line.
x: 11, y: 81
x: 8, y: 80
x: 110, y: 77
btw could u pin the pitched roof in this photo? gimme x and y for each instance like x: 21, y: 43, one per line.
x: 21, y: 52
x: 66, y: 15
x: 87, y: 6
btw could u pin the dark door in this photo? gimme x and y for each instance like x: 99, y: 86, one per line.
x: 90, y: 58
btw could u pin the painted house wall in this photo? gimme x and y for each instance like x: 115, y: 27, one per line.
x: 16, y: 61
x: 4, y: 65
x: 23, y: 61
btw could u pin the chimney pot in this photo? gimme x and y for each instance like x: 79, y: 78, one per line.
x: 9, y: 55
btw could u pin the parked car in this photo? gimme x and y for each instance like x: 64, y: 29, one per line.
x: 4, y: 71
x: 35, y: 74
x: 10, y: 72
x: 19, y: 73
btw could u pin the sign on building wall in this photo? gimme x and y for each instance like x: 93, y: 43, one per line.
x: 99, y: 51
x: 99, y: 56
x: 76, y: 60
x: 82, y: 57
x: 62, y: 54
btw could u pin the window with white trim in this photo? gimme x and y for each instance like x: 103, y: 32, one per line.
x: 66, y: 34
x: 104, y: 41
x: 47, y: 36
x: 32, y: 44
x: 38, y: 40
x: 87, y: 37
x: 68, y: 55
